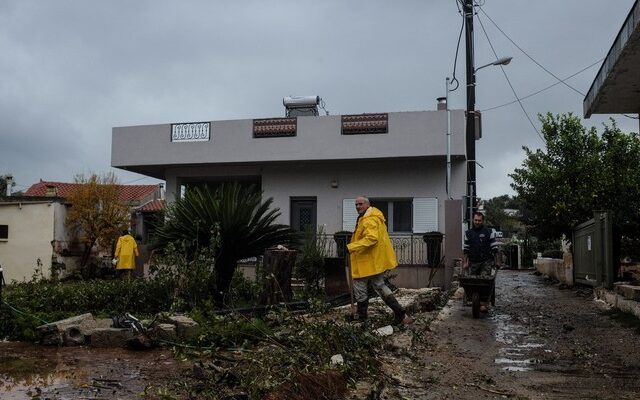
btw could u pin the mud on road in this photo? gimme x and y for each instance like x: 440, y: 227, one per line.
x: 539, y: 342
x: 29, y: 371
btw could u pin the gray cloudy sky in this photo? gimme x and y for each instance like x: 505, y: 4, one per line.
x: 72, y: 70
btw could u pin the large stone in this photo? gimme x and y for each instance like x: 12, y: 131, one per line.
x: 164, y: 333
x: 186, y: 328
x: 69, y: 332
x: 111, y: 337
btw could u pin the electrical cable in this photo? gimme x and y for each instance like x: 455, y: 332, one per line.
x: 509, y: 82
x: 455, y: 59
x: 526, y: 54
x: 22, y: 312
x: 544, y: 89
x: 135, y: 180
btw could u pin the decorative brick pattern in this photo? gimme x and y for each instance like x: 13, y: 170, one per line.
x: 275, y: 127
x: 363, y: 124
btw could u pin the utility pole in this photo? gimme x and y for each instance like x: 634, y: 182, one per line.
x: 471, y: 112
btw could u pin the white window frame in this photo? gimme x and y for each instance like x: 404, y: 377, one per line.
x: 424, y: 219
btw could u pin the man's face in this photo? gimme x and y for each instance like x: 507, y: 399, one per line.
x: 477, y: 221
x: 361, y: 205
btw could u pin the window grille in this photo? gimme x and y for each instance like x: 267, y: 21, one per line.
x: 275, y: 127
x: 365, y: 124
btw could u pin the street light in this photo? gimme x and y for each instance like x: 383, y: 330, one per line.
x: 499, y: 61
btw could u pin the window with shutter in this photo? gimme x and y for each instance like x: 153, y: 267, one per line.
x: 349, y: 215
x: 425, y: 214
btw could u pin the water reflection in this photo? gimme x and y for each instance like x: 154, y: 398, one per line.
x: 29, y: 371
x: 517, y: 341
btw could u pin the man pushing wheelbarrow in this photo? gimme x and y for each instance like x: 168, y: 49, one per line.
x: 481, y: 256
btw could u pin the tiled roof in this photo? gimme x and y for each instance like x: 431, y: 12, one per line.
x: 128, y: 193
x: 152, y: 206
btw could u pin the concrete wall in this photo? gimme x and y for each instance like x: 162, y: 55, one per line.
x: 411, y: 134
x: 31, y: 230
x: 417, y: 277
x: 562, y: 270
x: 378, y: 179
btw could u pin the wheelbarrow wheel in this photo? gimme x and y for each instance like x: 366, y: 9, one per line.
x: 475, y: 304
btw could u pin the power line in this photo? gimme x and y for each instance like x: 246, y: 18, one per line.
x: 509, y: 82
x: 546, y: 88
x: 526, y: 54
x: 455, y: 59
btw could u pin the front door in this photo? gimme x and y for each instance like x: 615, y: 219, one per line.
x: 303, y: 213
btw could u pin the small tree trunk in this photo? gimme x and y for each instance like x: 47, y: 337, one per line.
x: 225, y: 268
x: 277, y: 270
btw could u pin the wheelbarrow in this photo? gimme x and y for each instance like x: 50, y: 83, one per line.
x: 478, y: 289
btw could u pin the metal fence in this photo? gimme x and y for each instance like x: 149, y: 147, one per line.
x: 409, y: 249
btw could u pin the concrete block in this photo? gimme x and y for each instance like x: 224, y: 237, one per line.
x: 69, y: 331
x: 111, y: 337
x: 629, y: 292
x: 629, y: 306
x: 165, y: 332
x: 186, y: 328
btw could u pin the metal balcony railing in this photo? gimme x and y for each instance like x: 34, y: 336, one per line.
x: 410, y: 249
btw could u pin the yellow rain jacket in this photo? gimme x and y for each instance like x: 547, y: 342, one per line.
x: 125, y: 250
x: 370, y: 250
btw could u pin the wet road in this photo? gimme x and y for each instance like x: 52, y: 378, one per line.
x: 538, y: 342
x: 29, y: 371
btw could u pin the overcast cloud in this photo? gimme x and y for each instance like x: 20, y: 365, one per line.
x: 72, y: 70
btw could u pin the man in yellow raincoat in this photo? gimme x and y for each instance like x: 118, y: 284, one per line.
x: 126, y: 253
x: 371, y: 254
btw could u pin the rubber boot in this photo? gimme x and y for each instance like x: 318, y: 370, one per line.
x: 361, y: 310
x: 398, y: 312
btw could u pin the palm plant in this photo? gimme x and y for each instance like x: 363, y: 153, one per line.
x: 245, y: 226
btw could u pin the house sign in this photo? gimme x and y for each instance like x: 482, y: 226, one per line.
x: 190, y: 132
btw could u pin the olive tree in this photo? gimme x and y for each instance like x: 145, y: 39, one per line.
x: 576, y: 173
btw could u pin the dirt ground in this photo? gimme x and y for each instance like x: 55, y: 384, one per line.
x: 539, y: 342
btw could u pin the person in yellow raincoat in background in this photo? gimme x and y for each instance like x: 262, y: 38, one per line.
x: 126, y: 253
x: 371, y: 254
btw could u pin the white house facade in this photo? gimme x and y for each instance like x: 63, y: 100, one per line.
x: 314, y: 166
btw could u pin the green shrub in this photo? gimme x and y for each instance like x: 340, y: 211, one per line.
x: 310, y: 263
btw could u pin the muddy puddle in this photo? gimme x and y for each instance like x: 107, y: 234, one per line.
x: 28, y: 371
x: 516, y: 344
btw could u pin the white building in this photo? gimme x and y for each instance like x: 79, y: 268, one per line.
x: 314, y: 166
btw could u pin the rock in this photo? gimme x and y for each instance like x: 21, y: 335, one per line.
x: 111, y: 337
x: 140, y: 342
x: 384, y: 331
x: 186, y: 328
x: 164, y: 332
x: 337, y: 359
x: 69, y: 332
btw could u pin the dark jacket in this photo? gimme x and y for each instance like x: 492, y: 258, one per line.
x: 480, y: 244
